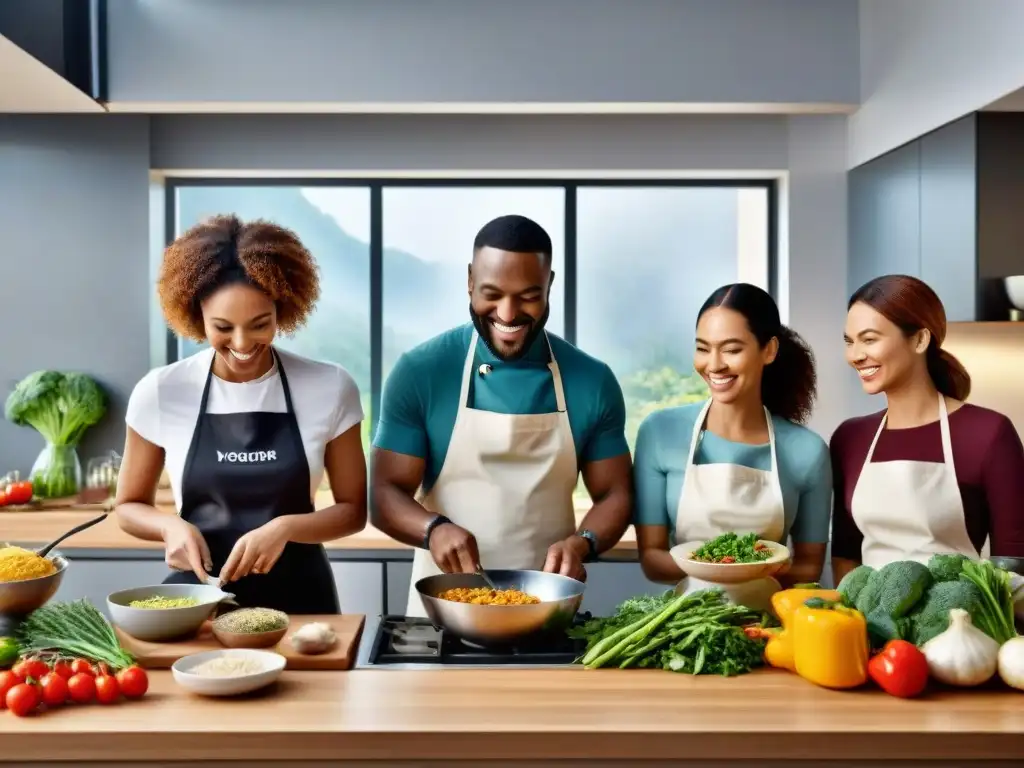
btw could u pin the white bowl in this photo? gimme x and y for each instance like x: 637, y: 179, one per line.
x: 157, y: 624
x: 272, y: 666
x: 1015, y: 290
x: 729, y: 573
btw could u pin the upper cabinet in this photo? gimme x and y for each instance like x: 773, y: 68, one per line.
x: 945, y: 208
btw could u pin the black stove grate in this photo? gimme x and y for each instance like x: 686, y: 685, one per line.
x: 413, y: 640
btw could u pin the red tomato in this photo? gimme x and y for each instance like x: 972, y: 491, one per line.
x: 107, y: 689
x: 63, y: 668
x: 82, y: 667
x: 82, y: 688
x: 19, y: 492
x: 899, y: 669
x: 55, y: 690
x: 22, y: 699
x: 33, y: 668
x: 7, y: 681
x: 134, y: 682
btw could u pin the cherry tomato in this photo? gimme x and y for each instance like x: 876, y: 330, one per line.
x: 134, y: 682
x: 82, y: 688
x: 33, y: 668
x: 7, y: 681
x: 107, y: 689
x: 22, y: 699
x: 82, y: 667
x: 19, y: 492
x: 63, y: 668
x: 54, y: 690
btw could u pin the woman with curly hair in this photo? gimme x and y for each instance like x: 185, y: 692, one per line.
x: 244, y: 429
x: 741, y: 461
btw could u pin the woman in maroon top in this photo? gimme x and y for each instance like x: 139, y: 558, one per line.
x: 930, y: 473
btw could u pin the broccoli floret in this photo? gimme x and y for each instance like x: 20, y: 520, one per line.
x: 853, y: 583
x: 898, y: 587
x: 946, y: 567
x: 867, y: 598
x: 930, y: 617
x: 59, y: 406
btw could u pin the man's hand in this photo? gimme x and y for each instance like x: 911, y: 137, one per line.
x: 454, y: 549
x: 185, y: 549
x: 566, y: 557
x: 256, y: 552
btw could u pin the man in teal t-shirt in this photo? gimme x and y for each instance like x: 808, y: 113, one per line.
x: 484, y: 430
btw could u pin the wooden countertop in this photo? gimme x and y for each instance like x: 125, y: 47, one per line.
x: 46, y: 525
x: 528, y: 714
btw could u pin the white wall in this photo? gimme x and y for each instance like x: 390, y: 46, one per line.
x: 924, y: 63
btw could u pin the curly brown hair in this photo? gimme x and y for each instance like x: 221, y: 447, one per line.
x: 223, y: 250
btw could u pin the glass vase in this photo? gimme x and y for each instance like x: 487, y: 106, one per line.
x: 57, y: 472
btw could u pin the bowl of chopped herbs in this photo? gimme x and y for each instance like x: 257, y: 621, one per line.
x: 731, y: 558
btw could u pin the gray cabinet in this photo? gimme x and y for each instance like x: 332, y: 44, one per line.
x: 945, y: 208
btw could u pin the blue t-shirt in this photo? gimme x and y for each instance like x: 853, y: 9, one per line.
x: 659, y: 464
x: 421, y: 396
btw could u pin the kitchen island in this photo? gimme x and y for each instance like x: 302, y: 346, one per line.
x: 508, y: 717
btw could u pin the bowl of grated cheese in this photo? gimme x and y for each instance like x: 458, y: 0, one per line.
x: 227, y: 672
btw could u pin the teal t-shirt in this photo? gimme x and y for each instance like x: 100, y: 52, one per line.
x: 805, y: 470
x: 421, y: 396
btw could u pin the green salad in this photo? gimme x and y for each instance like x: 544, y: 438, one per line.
x: 730, y: 548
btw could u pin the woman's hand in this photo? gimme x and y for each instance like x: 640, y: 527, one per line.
x: 185, y: 548
x: 256, y: 552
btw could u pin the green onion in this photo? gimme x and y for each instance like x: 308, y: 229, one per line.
x: 74, y: 629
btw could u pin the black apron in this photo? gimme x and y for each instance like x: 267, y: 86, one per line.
x: 243, y: 470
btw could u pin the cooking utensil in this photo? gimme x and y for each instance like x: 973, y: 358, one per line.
x: 729, y: 573
x: 77, y: 529
x: 560, y: 599
x: 156, y: 624
x: 487, y: 579
x: 20, y: 598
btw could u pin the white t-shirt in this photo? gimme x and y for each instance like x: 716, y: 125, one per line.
x: 164, y: 406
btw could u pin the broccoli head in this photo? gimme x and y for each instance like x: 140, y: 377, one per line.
x: 854, y: 582
x: 890, y: 593
x: 946, y: 567
x: 930, y: 617
x: 59, y: 406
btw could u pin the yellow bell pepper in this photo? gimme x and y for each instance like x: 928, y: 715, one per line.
x: 830, y: 644
x: 786, y: 601
x: 778, y: 651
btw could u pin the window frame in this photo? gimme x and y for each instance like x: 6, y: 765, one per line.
x: 376, y: 186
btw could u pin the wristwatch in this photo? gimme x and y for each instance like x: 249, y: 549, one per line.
x: 591, y: 538
x: 438, y: 520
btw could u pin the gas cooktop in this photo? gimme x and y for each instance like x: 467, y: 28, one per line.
x: 415, y: 642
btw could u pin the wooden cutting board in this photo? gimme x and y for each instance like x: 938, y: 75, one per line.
x: 348, y: 628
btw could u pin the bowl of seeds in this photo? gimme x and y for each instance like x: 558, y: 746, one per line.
x: 250, y: 628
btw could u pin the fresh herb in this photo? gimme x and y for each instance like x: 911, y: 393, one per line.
x: 730, y: 548
x: 699, y: 633
x: 72, y: 630
x: 994, y: 616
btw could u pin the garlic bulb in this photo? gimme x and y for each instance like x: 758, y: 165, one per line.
x: 963, y: 654
x: 313, y: 638
x: 1011, y: 663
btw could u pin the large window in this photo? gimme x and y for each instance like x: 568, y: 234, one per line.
x: 634, y: 260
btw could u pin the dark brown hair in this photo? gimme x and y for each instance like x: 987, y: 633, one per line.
x: 224, y: 250
x: 911, y: 305
x: 789, y: 384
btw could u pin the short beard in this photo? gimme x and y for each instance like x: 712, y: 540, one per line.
x: 485, y: 329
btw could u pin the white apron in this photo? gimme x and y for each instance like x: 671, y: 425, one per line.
x: 911, y: 510
x: 719, y: 498
x: 508, y: 479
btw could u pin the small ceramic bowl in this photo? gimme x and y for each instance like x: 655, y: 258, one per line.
x: 249, y: 639
x: 162, y: 624
x: 271, y: 666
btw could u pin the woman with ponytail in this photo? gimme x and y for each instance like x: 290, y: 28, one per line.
x: 741, y: 461
x: 929, y: 474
